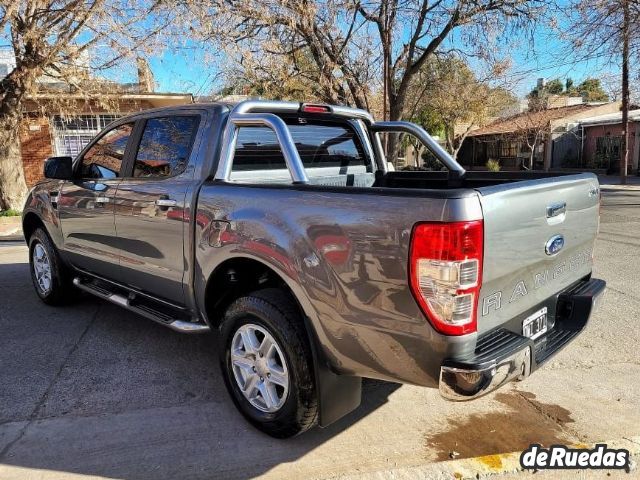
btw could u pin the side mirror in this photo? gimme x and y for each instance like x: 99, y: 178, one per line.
x: 59, y: 168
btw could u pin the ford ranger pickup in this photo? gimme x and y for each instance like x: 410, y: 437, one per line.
x: 281, y: 227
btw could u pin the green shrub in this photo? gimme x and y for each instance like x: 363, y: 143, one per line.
x: 493, y: 165
x: 10, y: 213
x: 430, y: 162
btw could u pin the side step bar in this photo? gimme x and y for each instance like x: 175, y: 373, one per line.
x: 145, y: 311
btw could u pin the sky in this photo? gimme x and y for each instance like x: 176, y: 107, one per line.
x: 191, y: 68
x: 189, y: 71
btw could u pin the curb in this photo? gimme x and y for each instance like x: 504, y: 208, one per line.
x: 13, y: 220
x: 486, y: 466
x: 12, y: 235
x: 12, y: 238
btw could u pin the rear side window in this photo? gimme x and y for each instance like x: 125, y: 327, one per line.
x: 165, y: 146
x: 104, y: 158
x: 319, y: 145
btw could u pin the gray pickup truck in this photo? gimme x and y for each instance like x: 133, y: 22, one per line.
x: 280, y: 226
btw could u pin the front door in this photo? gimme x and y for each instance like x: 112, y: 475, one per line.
x: 151, y: 221
x: 86, y: 204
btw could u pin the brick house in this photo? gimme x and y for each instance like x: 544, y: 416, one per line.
x: 555, y: 130
x: 47, y: 132
x: 602, y: 141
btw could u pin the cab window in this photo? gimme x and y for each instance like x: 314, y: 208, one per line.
x: 165, y: 146
x: 104, y: 158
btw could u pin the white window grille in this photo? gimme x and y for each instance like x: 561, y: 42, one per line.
x: 72, y: 134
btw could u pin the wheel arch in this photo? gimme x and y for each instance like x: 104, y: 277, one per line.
x: 239, y: 276
x: 30, y: 223
x: 337, y: 394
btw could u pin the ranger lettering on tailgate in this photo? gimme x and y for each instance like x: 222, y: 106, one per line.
x: 494, y: 300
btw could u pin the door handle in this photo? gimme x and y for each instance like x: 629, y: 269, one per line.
x: 556, y: 209
x: 166, y: 202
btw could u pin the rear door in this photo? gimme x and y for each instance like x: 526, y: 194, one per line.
x: 539, y: 238
x: 150, y: 215
x: 86, y: 205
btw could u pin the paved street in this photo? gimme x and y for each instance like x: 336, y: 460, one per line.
x: 91, y: 390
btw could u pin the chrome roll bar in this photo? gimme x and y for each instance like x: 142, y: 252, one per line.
x: 434, y: 147
x: 275, y: 123
x: 252, y: 113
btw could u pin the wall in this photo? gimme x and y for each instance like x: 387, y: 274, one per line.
x: 563, y: 136
x: 566, y: 149
x: 36, y: 144
x: 593, y: 132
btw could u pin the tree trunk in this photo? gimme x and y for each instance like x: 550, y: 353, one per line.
x: 13, y: 187
x: 624, y: 153
x: 532, y: 154
x: 396, y: 109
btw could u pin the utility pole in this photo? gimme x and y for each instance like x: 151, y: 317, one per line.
x: 624, y: 153
x: 386, y: 55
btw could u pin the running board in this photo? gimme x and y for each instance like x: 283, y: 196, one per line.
x: 141, y: 309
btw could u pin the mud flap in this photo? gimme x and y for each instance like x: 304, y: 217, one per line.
x: 338, y: 395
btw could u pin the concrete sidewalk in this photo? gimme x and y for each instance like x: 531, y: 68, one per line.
x: 11, y: 229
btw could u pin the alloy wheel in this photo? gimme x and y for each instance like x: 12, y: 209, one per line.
x: 259, y: 368
x: 42, y: 268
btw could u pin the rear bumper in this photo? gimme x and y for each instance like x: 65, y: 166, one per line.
x: 503, y: 356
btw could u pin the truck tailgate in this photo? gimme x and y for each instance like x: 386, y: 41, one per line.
x: 538, y: 240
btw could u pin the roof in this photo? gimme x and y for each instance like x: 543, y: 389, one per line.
x: 210, y: 106
x: 530, y: 120
x: 610, y: 118
x: 154, y: 99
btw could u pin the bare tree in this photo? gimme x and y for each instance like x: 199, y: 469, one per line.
x: 626, y: 34
x: 447, y: 96
x: 610, y: 29
x: 354, y: 44
x: 61, y: 42
x: 531, y: 128
x: 532, y: 136
x: 288, y: 78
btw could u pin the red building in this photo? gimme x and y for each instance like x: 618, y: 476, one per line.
x: 602, y: 141
x: 544, y: 139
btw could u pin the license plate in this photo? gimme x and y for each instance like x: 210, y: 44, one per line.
x: 535, y: 325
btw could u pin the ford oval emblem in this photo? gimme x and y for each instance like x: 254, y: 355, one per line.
x: 554, y: 245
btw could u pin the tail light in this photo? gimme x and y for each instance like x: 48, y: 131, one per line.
x: 445, y: 270
x: 315, y: 108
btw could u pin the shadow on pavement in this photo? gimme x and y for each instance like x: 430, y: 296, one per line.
x: 92, y: 389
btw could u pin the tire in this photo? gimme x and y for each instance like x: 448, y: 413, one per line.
x: 54, y: 287
x: 265, y: 316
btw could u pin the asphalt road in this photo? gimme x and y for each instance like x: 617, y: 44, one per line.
x: 91, y: 390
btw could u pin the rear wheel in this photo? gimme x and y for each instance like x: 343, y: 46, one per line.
x: 49, y: 275
x: 267, y: 364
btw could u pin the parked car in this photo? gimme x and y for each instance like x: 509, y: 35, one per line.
x: 279, y: 226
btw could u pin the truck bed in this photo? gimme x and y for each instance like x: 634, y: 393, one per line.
x: 472, y: 179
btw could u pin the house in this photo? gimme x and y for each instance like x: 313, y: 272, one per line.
x: 602, y: 141
x: 52, y: 127
x: 541, y: 140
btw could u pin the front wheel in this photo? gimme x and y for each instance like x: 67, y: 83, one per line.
x: 49, y: 275
x: 267, y: 364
